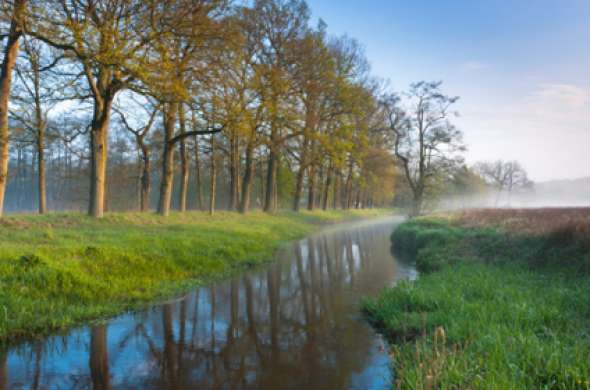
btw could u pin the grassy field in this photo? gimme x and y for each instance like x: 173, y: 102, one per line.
x: 503, y: 301
x: 61, y: 269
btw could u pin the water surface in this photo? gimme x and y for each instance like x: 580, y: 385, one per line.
x: 294, y: 324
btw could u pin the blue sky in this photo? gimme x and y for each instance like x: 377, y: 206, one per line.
x: 521, y: 67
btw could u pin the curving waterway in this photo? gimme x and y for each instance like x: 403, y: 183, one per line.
x: 295, y: 324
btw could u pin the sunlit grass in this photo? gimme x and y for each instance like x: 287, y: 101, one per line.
x: 61, y: 269
x: 493, y: 310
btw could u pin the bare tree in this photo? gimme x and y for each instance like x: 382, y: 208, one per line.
x: 504, y: 176
x: 140, y: 134
x: 426, y: 144
x: 36, y: 93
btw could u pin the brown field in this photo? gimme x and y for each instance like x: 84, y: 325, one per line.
x: 561, y: 224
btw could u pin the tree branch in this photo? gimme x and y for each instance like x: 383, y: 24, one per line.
x: 179, y: 137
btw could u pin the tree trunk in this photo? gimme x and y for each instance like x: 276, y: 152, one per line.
x: 169, y: 362
x: 146, y: 181
x: 275, y: 198
x: 184, y: 168
x: 3, y: 371
x: 327, y: 188
x: 311, y: 187
x: 417, y: 203
x: 300, y: 175
x: 348, y: 195
x: 357, y: 202
x: 348, y: 188
x: 318, y: 187
x: 41, y: 183
x: 213, y: 186
x: 40, y: 126
x: 99, y: 358
x: 41, y: 171
x: 34, y: 171
x: 248, y: 178
x: 167, y: 161
x: 18, y: 176
x: 271, y: 178
x: 10, y: 56
x: 262, y: 185
x: 298, y: 188
x: 198, y: 186
x: 234, y: 172
x: 98, y: 150
x: 363, y: 198
x: 336, y: 195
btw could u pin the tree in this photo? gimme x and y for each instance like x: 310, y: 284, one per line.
x: 109, y: 41
x: 463, y: 187
x: 197, y: 157
x: 504, y: 176
x: 247, y: 80
x: 17, y: 11
x: 35, y: 95
x: 347, y: 118
x: 297, y: 110
x: 212, y: 175
x: 308, y: 75
x: 140, y: 134
x: 275, y: 25
x: 229, y: 94
x: 189, y: 29
x: 379, y: 175
x: 184, y: 162
x: 426, y: 144
x: 99, y: 357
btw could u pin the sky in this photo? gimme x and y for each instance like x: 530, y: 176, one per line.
x: 521, y: 68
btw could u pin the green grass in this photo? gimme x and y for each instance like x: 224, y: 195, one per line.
x: 491, y: 310
x: 61, y: 269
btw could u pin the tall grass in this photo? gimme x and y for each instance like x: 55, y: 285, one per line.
x: 495, y: 308
x: 563, y: 225
x: 61, y: 269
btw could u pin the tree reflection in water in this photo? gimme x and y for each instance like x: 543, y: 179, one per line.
x: 99, y: 358
x: 3, y: 370
x: 295, y: 324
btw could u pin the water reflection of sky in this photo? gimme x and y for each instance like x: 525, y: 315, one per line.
x: 294, y: 324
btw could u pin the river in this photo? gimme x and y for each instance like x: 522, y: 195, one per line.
x: 294, y: 324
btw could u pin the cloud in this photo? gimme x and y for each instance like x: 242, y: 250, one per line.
x: 561, y: 97
x: 473, y: 66
x: 547, y: 129
x: 563, y: 107
x: 555, y: 106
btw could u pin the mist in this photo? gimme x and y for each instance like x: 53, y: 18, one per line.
x: 554, y: 193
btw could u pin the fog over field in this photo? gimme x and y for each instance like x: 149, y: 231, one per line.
x: 554, y: 193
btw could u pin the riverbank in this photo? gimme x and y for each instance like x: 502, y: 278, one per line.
x: 503, y: 301
x: 59, y: 270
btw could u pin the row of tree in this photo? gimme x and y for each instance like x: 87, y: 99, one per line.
x: 237, y: 92
x: 240, y: 105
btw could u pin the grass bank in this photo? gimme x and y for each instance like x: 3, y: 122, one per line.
x: 503, y: 302
x: 61, y: 269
